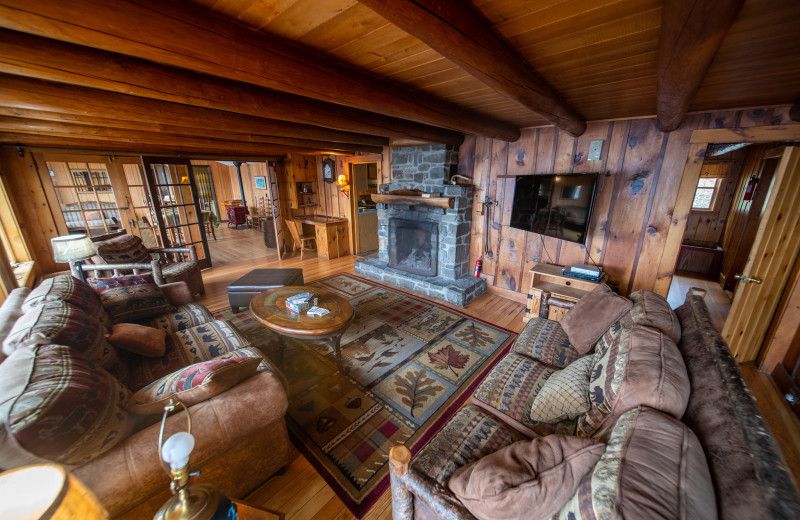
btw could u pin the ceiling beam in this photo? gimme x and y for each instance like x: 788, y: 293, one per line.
x: 24, y: 97
x: 692, y: 32
x: 184, y: 35
x: 36, y: 57
x: 794, y: 112
x: 458, y: 32
x: 123, y: 137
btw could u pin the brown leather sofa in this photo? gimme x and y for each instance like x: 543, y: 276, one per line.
x: 241, y: 436
x: 726, y: 464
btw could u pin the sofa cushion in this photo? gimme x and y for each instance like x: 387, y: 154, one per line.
x: 509, y: 389
x: 61, y: 323
x: 186, y: 347
x: 637, y: 366
x: 529, y: 479
x: 652, y: 310
x: 565, y: 395
x: 64, y: 288
x: 124, y: 249
x: 653, y: 467
x: 592, y: 316
x: 178, y: 270
x: 469, y: 435
x: 57, y: 405
x: 10, y: 312
x: 193, y: 384
x: 182, y: 317
x: 131, y: 298
x: 545, y: 340
x: 145, y: 341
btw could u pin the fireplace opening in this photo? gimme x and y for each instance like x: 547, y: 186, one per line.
x: 413, y: 246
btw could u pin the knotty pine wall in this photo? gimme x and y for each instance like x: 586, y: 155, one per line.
x: 641, y: 170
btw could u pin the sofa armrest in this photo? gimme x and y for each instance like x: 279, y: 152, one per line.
x: 131, y: 473
x: 191, y: 251
x: 178, y: 293
x: 410, y: 484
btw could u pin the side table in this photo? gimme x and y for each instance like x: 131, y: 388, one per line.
x: 552, y: 294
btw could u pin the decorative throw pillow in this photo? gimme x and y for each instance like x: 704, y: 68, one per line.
x: 145, y: 341
x: 193, y: 384
x: 56, y: 405
x: 565, y: 394
x: 529, y: 479
x: 131, y: 298
x: 124, y: 249
x: 592, y: 315
x: 544, y: 340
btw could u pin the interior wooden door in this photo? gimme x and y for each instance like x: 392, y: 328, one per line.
x: 774, y: 252
x: 275, y: 205
x: 176, y: 205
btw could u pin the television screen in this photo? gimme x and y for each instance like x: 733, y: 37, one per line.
x: 558, y: 206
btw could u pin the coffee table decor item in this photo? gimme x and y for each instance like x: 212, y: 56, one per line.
x: 412, y: 363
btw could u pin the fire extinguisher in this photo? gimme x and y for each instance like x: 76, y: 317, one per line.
x: 751, y: 187
x: 477, y: 271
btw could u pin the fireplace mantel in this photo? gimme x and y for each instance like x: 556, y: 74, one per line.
x: 439, y: 202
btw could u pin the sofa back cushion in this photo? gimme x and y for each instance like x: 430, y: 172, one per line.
x: 124, y: 249
x: 529, y: 479
x: 652, y: 310
x: 61, y: 323
x: 636, y: 366
x: 10, y: 312
x: 57, y: 405
x: 592, y: 316
x: 67, y: 289
x: 653, y: 467
x: 131, y: 298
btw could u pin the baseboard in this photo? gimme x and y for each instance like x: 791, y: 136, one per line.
x: 508, y: 293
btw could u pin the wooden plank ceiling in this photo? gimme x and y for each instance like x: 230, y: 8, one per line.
x: 346, y: 79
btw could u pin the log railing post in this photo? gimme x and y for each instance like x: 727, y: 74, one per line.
x: 402, y: 499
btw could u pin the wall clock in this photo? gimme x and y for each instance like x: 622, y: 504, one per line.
x: 328, y: 170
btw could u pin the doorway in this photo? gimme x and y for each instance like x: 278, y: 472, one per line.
x: 364, y: 183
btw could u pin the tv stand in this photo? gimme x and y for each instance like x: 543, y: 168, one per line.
x: 552, y: 294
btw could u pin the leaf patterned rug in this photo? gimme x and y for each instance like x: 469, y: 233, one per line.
x: 412, y: 364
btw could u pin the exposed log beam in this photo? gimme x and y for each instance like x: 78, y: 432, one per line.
x: 184, y: 35
x: 455, y: 30
x: 42, y: 58
x: 794, y: 112
x: 691, y: 33
x: 20, y: 92
x: 76, y: 132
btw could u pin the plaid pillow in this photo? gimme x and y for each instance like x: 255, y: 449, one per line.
x: 131, y: 298
x: 124, y: 249
x: 59, y: 406
x: 193, y: 384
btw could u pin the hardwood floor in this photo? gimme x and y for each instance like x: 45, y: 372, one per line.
x: 301, y: 493
x: 716, y: 299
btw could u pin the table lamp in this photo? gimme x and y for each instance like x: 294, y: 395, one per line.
x: 46, y: 491
x: 73, y: 249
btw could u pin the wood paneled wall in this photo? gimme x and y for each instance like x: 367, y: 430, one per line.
x: 641, y: 169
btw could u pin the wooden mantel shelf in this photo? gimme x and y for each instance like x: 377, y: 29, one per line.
x: 439, y: 202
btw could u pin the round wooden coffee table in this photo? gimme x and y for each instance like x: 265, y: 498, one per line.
x: 269, y: 308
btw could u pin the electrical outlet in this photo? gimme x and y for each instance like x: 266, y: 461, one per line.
x: 595, y: 149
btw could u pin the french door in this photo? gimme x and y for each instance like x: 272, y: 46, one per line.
x: 176, y: 206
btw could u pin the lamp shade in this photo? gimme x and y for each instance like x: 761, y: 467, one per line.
x: 72, y: 248
x: 46, y: 491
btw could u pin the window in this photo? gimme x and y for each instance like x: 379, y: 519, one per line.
x: 85, y: 197
x: 706, y: 193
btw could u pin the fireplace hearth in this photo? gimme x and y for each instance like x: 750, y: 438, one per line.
x: 424, y: 248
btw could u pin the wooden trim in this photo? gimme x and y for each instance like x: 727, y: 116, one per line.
x: 195, y: 38
x: 439, y: 202
x: 763, y: 134
x: 455, y: 30
x: 51, y: 60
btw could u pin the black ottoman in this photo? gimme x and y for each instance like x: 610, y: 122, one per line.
x: 242, y: 290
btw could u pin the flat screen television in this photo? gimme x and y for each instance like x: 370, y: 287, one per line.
x: 556, y: 205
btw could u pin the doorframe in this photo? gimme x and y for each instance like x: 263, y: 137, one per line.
x: 353, y: 203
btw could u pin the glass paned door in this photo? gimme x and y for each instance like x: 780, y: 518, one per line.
x: 205, y: 189
x: 176, y: 205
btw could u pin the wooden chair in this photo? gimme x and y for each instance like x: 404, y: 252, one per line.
x: 296, y: 230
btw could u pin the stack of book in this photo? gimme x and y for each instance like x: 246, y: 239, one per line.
x: 584, y: 272
x: 301, y: 302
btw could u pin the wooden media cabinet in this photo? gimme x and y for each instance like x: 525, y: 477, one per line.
x: 552, y: 294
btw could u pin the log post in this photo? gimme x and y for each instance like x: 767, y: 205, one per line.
x: 544, y: 305
x: 402, y: 499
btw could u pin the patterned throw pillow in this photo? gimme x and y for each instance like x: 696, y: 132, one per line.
x: 544, y: 340
x: 59, y: 406
x: 60, y: 323
x: 131, y: 298
x: 565, y: 395
x: 193, y: 384
x: 124, y: 249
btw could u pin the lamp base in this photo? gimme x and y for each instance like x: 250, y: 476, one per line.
x: 200, y: 502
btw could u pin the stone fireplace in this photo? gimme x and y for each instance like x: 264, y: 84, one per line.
x: 425, y: 248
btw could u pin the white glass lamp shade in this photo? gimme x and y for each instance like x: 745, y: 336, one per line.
x: 176, y: 450
x: 72, y: 248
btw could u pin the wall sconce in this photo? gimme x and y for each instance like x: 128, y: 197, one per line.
x: 342, y: 182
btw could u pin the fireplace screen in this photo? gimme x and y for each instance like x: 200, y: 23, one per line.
x: 413, y: 246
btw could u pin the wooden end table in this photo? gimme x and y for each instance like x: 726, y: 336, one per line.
x: 269, y: 308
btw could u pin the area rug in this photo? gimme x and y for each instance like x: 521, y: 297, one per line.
x: 412, y: 365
